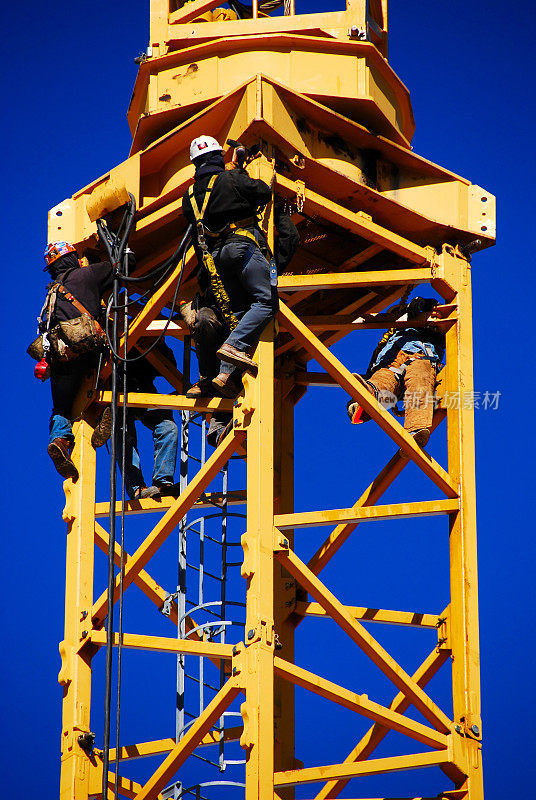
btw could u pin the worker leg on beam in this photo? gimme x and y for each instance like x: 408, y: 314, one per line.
x: 419, y: 383
x: 165, y: 438
x: 65, y: 381
x: 245, y: 273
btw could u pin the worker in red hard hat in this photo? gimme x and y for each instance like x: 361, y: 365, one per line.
x: 72, y: 288
x: 222, y: 206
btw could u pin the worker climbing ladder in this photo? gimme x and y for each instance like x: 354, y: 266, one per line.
x: 335, y: 123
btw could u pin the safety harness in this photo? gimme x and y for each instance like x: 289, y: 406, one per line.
x: 237, y: 228
x: 71, y: 337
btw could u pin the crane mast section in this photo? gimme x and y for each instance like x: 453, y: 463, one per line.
x: 333, y: 124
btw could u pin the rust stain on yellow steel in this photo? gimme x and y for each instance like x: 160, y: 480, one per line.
x: 388, y: 219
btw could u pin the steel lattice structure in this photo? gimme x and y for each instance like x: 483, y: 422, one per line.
x: 335, y: 123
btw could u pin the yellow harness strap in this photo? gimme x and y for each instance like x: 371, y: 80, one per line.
x: 218, y: 289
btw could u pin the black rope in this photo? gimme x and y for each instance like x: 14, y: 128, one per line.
x: 122, y: 560
x: 160, y: 336
x: 115, y: 245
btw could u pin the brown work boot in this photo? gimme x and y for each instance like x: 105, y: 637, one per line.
x: 59, y: 451
x: 218, y: 432
x: 421, y: 436
x: 227, y: 384
x: 203, y: 388
x: 239, y: 358
x: 103, y: 429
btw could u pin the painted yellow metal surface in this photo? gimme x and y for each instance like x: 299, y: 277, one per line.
x: 335, y: 123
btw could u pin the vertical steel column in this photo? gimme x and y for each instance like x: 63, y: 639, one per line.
x: 463, y: 542
x: 284, y: 583
x: 181, y: 588
x: 258, y: 709
x: 75, y: 674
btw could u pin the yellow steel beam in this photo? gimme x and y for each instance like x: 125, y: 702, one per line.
x: 75, y: 673
x: 149, y: 313
x: 413, y: 619
x: 359, y: 703
x: 348, y: 280
x: 189, y: 741
x: 143, y: 580
x: 377, y: 733
x: 462, y: 539
x: 360, y: 258
x: 364, y: 640
x: 386, y: 300
x: 166, y: 369
x: 235, y: 497
x: 258, y: 568
x: 131, y: 752
x: 149, y: 587
x: 371, y: 495
x: 164, y: 644
x: 316, y: 205
x: 371, y: 301
x: 351, y: 324
x: 169, y: 521
x: 424, y: 508
x: 357, y: 391
x: 284, y: 587
x: 377, y: 766
x: 170, y: 402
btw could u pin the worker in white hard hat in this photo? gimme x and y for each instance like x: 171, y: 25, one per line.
x: 222, y: 205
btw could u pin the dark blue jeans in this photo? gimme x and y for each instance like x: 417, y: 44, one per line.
x: 165, y: 438
x: 245, y: 273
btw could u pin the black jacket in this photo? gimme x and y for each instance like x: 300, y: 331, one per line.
x: 87, y: 284
x: 234, y: 196
x: 287, y: 239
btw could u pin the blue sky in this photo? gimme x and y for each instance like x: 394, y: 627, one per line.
x: 469, y: 66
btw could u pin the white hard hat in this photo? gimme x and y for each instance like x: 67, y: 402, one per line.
x: 202, y: 145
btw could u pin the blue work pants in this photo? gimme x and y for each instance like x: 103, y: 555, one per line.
x: 245, y: 274
x: 165, y: 438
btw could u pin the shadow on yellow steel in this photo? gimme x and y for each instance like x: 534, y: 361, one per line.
x: 336, y: 122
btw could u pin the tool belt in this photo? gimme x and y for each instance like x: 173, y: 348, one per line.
x: 70, y: 338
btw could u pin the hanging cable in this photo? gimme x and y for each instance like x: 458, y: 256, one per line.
x: 124, y: 422
x: 166, y: 266
x: 115, y: 245
x: 111, y: 304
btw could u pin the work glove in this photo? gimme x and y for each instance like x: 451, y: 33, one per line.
x: 187, y: 313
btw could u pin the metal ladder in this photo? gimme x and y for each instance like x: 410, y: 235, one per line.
x: 206, y: 569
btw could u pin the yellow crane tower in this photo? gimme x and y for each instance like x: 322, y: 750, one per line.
x: 317, y: 94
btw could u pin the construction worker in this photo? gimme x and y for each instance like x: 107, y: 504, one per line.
x: 84, y: 287
x: 209, y: 330
x: 404, y: 365
x: 140, y: 378
x: 222, y: 206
